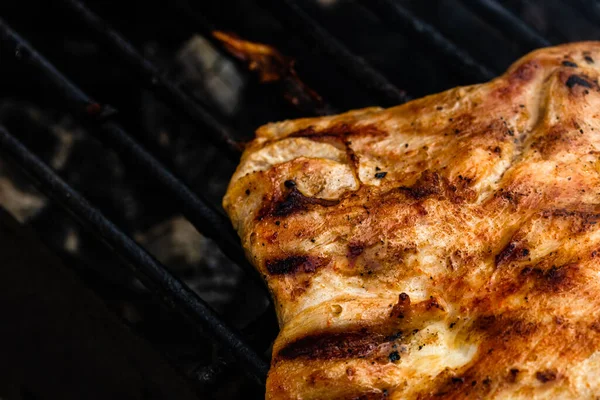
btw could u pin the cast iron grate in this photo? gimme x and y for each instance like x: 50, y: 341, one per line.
x: 298, y: 18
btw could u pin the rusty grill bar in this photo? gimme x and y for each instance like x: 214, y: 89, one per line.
x: 198, y: 210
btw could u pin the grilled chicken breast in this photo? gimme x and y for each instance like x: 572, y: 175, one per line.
x: 445, y: 248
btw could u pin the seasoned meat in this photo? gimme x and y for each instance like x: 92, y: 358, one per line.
x: 445, y: 248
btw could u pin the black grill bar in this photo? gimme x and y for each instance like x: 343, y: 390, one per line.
x: 173, y: 292
x: 508, y: 23
x: 292, y: 15
x: 198, y: 210
x: 220, y: 134
x: 398, y: 16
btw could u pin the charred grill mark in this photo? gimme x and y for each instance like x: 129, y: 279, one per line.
x: 285, y: 265
x: 553, y: 279
x: 581, y: 221
x: 473, y: 383
x: 293, y: 264
x: 503, y: 328
x: 429, y: 184
x: 365, y: 340
x: 555, y: 276
x: 298, y: 200
x: 305, y: 132
x: 511, y: 252
x: 578, y: 221
x: 580, y: 85
x: 562, y: 212
x: 293, y: 202
x: 505, y: 254
x: 580, y: 80
x: 334, y: 345
x: 342, y: 130
x: 355, y: 250
x: 545, y: 376
x: 332, y: 137
x: 511, y: 196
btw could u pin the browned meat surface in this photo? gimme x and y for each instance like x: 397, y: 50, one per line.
x: 445, y: 248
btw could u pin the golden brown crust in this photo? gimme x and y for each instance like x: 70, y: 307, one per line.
x: 445, y: 248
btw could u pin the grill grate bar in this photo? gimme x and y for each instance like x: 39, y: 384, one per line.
x: 198, y: 210
x: 398, y: 16
x: 220, y: 134
x: 508, y: 23
x: 590, y: 9
x: 357, y: 67
x: 155, y: 275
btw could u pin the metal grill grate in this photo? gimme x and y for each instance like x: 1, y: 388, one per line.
x: 204, y: 216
